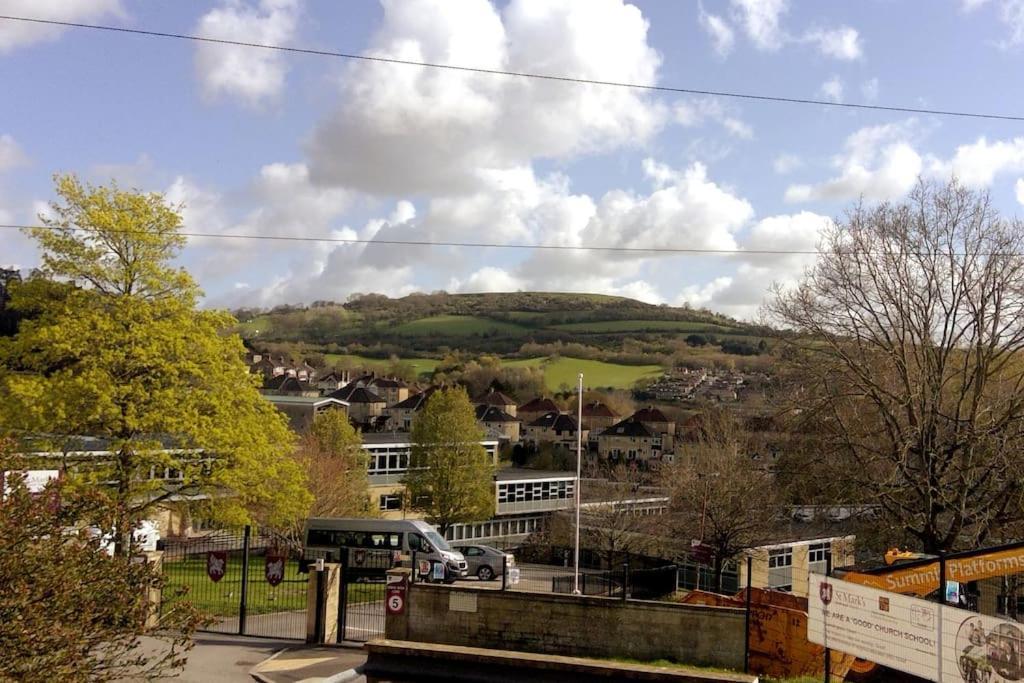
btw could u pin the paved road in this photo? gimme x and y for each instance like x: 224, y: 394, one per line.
x: 226, y: 658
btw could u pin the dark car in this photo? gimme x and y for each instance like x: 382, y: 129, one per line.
x: 485, y: 562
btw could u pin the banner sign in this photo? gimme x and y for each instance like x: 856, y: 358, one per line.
x: 980, y: 648
x: 902, y: 633
x: 894, y: 630
x: 216, y: 564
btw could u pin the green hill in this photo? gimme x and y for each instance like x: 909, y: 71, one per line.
x: 589, y: 326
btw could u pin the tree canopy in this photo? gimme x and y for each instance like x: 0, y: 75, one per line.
x: 906, y: 350
x: 116, y: 348
x: 451, y: 477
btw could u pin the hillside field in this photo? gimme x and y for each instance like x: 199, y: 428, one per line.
x: 557, y: 371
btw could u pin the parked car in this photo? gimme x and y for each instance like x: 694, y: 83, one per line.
x: 485, y: 562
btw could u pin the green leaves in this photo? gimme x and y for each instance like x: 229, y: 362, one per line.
x: 451, y: 477
x: 127, y: 357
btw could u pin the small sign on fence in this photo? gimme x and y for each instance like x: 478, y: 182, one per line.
x: 395, y: 599
x: 216, y: 564
x: 273, y: 569
x: 513, y: 576
x: 437, y: 572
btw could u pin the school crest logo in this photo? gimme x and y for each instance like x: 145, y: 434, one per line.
x: 825, y: 592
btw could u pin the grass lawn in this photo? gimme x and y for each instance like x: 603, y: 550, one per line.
x: 421, y: 365
x: 221, y: 599
x: 459, y: 326
x: 595, y: 373
x: 641, y: 326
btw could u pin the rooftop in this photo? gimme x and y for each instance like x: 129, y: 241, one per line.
x: 521, y: 474
x: 305, y: 400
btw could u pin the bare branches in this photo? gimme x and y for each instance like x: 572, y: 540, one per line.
x: 910, y: 332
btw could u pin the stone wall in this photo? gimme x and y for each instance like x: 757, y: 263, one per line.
x: 569, y: 625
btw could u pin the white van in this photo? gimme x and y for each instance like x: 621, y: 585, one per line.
x: 329, y: 537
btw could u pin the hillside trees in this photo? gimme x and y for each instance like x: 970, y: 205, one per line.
x: 116, y: 348
x: 451, y: 477
x: 907, y: 363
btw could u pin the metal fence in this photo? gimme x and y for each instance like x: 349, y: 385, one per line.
x: 245, y: 582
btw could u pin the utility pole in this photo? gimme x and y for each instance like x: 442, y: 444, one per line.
x: 579, y: 494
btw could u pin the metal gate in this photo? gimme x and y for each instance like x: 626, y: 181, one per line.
x: 363, y: 588
x: 246, y: 582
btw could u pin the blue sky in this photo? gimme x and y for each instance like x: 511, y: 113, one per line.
x: 255, y: 142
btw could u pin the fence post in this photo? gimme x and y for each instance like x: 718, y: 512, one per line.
x: 746, y: 621
x: 415, y: 569
x: 343, y: 595
x: 244, y: 597
x: 504, y: 572
x: 942, y: 603
x: 828, y: 652
x: 320, y: 605
x: 625, y: 580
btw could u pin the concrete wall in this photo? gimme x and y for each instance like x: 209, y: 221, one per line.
x: 568, y: 625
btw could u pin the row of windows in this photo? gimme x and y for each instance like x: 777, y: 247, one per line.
x: 385, y: 461
x: 333, y: 538
x: 493, y: 528
x: 536, y: 490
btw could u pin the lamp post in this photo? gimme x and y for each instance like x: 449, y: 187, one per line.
x: 579, y: 469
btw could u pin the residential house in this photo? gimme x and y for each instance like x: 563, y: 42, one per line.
x: 495, y: 398
x: 554, y: 428
x: 286, y: 385
x: 598, y: 417
x: 333, y: 381
x: 365, y: 408
x: 531, y: 410
x: 656, y: 420
x: 630, y: 441
x: 401, y: 414
x: 391, y: 389
x: 498, y: 424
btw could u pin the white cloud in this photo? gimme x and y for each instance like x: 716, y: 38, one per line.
x: 738, y: 128
x: 841, y: 43
x: 403, y: 130
x: 16, y: 34
x: 1019, y: 190
x: 869, y: 90
x: 254, y: 76
x: 978, y: 163
x: 696, y: 111
x: 741, y: 293
x: 487, y: 279
x: 832, y: 89
x: 760, y: 21
x: 722, y: 36
x: 11, y: 155
x: 786, y: 163
x: 878, y: 163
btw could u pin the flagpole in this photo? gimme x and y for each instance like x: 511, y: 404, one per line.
x: 579, y: 468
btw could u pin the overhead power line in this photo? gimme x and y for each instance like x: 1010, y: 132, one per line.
x: 496, y: 245
x: 517, y: 74
x: 428, y: 243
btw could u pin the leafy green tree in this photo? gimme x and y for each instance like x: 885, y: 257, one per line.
x: 116, y: 348
x: 69, y: 611
x: 451, y: 477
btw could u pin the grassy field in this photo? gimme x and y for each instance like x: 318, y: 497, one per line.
x: 595, y: 373
x: 607, y: 326
x: 221, y: 599
x: 459, y: 326
x: 421, y: 365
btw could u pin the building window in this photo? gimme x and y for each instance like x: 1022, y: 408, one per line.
x: 780, y: 569
x: 817, y: 556
x: 391, y: 501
